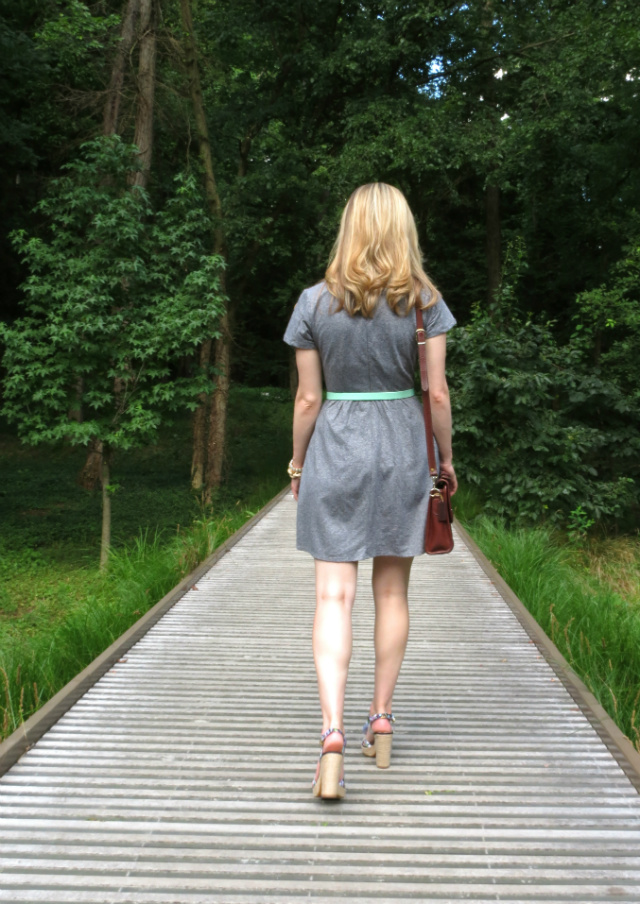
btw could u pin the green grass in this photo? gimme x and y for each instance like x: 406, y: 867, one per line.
x: 57, y: 612
x: 579, y: 605
x: 35, y: 665
x: 43, y: 509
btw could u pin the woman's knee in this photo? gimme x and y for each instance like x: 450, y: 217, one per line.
x: 390, y: 579
x: 336, y: 583
x: 335, y: 592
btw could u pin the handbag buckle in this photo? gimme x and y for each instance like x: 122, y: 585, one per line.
x: 421, y: 330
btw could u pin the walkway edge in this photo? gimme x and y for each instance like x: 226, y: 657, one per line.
x: 614, y: 739
x: 26, y: 735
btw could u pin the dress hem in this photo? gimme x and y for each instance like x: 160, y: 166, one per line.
x: 362, y: 557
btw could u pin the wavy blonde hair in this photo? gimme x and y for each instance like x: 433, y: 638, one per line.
x: 377, y: 249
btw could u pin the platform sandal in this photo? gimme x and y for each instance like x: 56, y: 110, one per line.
x: 380, y: 748
x: 329, y: 779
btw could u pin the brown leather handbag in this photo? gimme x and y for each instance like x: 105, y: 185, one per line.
x: 438, y: 535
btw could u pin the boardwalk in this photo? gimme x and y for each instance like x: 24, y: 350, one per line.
x: 184, y: 774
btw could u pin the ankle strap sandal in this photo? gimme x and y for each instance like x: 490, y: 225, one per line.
x: 329, y: 778
x: 330, y: 731
x: 380, y: 747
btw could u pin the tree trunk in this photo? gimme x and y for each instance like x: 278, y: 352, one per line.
x: 105, y: 543
x: 218, y: 414
x: 597, y: 346
x: 75, y: 413
x: 207, y: 459
x: 204, y: 145
x: 143, y: 137
x: 198, y: 460
x: 89, y: 476
x: 492, y: 220
x: 492, y: 191
x: 114, y: 92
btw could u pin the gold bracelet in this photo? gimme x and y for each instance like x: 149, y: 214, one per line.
x: 292, y: 471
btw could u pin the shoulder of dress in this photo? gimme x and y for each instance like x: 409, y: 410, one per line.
x: 429, y: 299
x: 313, y: 294
x: 317, y: 290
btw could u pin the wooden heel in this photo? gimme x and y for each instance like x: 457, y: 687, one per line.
x: 330, y: 774
x: 382, y: 739
x: 369, y: 751
x: 329, y: 782
x: 383, y: 750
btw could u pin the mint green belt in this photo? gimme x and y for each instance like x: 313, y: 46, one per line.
x: 371, y: 396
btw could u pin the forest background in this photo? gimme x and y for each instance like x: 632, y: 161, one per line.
x: 172, y: 174
x: 512, y: 128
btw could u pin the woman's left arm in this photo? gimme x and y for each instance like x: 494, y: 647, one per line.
x: 306, y: 407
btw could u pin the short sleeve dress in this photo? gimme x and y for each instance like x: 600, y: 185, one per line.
x: 365, y: 483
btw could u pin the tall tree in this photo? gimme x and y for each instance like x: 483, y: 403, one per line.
x: 211, y: 417
x: 128, y: 32
x: 138, y: 24
x: 132, y: 295
x: 145, y: 94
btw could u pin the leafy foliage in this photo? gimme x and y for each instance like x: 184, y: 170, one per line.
x: 75, y: 41
x: 537, y: 426
x: 116, y: 297
x: 305, y: 102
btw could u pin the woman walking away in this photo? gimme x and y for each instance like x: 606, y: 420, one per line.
x: 359, y: 469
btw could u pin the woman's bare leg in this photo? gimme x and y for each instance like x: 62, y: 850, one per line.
x: 390, y: 582
x: 332, y: 636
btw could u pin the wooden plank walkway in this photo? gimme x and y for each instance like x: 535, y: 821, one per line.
x: 183, y: 774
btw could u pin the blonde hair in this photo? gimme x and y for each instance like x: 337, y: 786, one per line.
x: 377, y: 249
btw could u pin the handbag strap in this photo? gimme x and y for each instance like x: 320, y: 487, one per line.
x: 421, y: 336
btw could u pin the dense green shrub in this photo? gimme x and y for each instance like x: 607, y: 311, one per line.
x: 543, y: 426
x: 116, y: 295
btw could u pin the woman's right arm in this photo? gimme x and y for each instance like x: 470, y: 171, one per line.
x: 436, y: 349
x: 306, y: 407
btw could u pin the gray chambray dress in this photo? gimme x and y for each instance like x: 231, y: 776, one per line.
x: 364, y: 487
